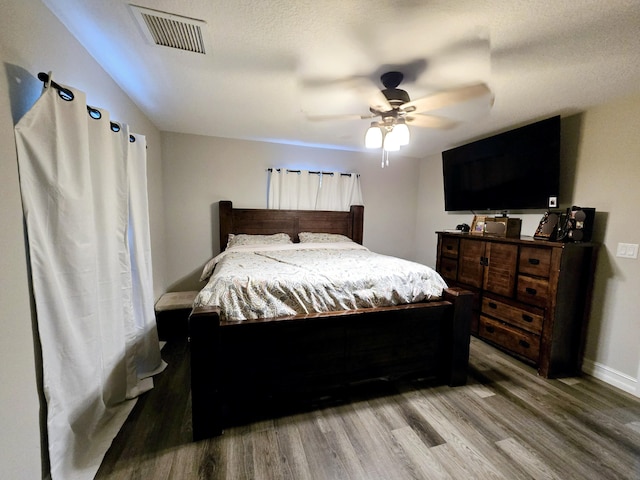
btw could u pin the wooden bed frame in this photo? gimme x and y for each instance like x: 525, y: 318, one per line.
x: 243, y: 366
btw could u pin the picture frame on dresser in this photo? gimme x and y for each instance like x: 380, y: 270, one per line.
x: 548, y: 226
x: 477, y: 226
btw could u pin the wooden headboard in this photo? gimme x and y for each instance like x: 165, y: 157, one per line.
x: 259, y: 221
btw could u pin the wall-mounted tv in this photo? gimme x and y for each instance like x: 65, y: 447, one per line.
x: 514, y: 170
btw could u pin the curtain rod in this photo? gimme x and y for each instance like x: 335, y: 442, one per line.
x: 44, y: 77
x: 314, y: 173
x: 68, y: 95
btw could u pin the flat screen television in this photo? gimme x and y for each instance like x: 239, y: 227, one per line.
x: 514, y: 170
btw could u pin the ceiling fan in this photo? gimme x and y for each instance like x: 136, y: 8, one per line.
x: 397, y: 111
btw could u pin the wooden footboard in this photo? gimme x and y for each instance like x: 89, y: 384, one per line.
x: 291, y: 357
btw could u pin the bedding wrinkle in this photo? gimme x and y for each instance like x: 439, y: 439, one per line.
x: 273, y: 281
x: 305, y: 298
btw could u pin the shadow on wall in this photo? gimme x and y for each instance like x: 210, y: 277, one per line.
x: 189, y: 282
x: 215, y: 228
x: 599, y: 225
x: 572, y: 128
x: 604, y: 271
x: 571, y: 132
x: 192, y: 280
x: 24, y: 90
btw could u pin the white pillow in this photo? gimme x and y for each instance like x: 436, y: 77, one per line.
x: 310, y: 237
x: 235, y: 240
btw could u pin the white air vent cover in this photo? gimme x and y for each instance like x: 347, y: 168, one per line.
x: 175, y: 31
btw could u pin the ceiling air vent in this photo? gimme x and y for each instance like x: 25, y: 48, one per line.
x: 169, y: 30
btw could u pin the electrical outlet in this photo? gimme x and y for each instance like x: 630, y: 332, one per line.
x: 627, y: 250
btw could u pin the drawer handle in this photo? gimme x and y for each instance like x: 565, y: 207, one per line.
x: 449, y: 247
x: 490, y: 329
x: 534, y: 261
x: 492, y: 305
x: 527, y: 318
x: 531, y: 291
x: 524, y: 344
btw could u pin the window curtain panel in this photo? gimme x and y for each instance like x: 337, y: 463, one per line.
x: 305, y: 190
x: 84, y: 195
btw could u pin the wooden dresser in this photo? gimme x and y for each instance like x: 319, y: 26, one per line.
x: 532, y: 297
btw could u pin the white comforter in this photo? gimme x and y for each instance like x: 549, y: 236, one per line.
x: 278, y: 280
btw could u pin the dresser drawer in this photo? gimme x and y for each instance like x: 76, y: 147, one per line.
x: 518, y: 341
x: 530, y: 318
x: 449, y: 268
x: 534, y: 291
x: 450, y: 247
x: 535, y: 261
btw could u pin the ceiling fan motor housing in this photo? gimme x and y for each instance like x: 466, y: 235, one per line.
x: 396, y: 96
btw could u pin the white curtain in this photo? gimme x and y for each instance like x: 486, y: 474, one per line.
x: 305, y: 190
x: 84, y: 194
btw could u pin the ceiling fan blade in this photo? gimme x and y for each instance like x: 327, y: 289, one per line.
x: 371, y: 93
x: 360, y: 85
x: 429, y: 121
x: 446, y: 98
x: 378, y: 102
x: 322, y: 118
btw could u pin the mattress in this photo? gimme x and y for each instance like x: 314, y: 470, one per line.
x: 249, y: 282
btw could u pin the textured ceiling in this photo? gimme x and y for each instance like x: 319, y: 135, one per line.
x: 272, y: 63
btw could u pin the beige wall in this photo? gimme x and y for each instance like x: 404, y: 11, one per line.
x: 601, y: 169
x: 32, y: 40
x: 199, y: 171
x: 608, y: 178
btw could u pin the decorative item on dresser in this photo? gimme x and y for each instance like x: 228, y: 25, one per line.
x: 531, y: 297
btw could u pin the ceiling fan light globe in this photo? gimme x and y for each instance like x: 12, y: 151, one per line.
x: 373, y: 137
x: 402, y: 132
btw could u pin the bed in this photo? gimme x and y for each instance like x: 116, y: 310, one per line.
x: 259, y: 364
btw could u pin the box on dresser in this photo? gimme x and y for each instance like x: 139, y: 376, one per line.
x: 503, y: 227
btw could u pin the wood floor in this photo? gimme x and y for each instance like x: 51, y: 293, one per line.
x: 505, y: 423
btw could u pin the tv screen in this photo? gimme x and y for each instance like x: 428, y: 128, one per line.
x: 515, y: 170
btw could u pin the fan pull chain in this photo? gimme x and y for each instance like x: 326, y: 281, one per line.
x: 385, y: 158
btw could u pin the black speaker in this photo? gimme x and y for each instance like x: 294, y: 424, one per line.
x: 578, y: 224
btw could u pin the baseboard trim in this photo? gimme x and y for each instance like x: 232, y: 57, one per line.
x: 612, y: 377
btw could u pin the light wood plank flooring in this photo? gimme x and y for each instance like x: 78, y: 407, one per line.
x: 506, y: 423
